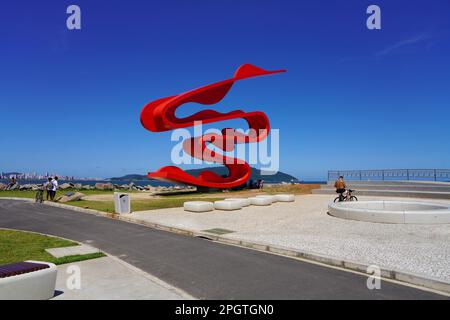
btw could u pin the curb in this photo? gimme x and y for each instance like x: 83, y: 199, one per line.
x: 391, y: 274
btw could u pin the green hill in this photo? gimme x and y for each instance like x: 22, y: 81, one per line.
x: 256, y: 174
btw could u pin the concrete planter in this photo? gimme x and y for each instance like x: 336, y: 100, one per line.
x: 35, y: 285
x: 392, y: 212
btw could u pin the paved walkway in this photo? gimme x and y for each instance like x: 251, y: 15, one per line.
x: 109, y: 279
x: 81, y: 249
x: 305, y: 226
x: 204, y: 269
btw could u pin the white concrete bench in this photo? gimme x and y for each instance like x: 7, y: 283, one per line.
x: 198, y: 206
x: 28, y: 280
x: 227, y: 205
x: 285, y: 197
x: 243, y: 201
x: 272, y: 198
x: 261, y: 201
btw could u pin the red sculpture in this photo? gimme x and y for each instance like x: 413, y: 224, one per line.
x: 159, y: 115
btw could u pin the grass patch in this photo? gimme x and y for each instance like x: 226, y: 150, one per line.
x: 16, y: 246
x: 291, y: 188
x: 79, y: 257
x: 17, y: 194
x: 31, y: 194
x: 138, y: 205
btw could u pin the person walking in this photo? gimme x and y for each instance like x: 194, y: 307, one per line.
x: 55, y: 188
x: 49, y: 189
x: 260, y: 183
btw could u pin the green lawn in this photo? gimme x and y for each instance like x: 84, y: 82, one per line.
x: 169, y: 201
x: 166, y: 201
x: 16, y: 246
x: 31, y: 194
x: 17, y: 194
x: 138, y: 205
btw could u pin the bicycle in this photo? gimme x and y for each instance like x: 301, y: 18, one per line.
x: 40, y: 195
x: 347, y: 197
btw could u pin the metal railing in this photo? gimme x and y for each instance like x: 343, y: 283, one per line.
x: 391, y: 174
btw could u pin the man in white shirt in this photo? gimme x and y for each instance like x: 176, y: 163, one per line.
x: 55, y: 188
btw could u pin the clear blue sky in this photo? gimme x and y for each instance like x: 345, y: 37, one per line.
x: 352, y: 98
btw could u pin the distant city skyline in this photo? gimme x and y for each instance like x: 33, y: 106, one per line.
x: 352, y: 98
x: 36, y: 176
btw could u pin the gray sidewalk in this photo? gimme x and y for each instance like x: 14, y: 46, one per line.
x: 305, y: 226
x: 109, y: 278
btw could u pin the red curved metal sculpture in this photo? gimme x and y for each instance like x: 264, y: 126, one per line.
x: 159, y: 115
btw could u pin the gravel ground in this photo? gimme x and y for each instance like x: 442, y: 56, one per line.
x: 305, y: 225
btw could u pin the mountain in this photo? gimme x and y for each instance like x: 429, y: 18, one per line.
x: 131, y: 177
x: 256, y: 174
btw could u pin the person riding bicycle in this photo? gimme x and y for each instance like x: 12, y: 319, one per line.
x: 341, y: 187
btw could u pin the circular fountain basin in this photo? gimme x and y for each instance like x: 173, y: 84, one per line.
x: 408, y: 212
